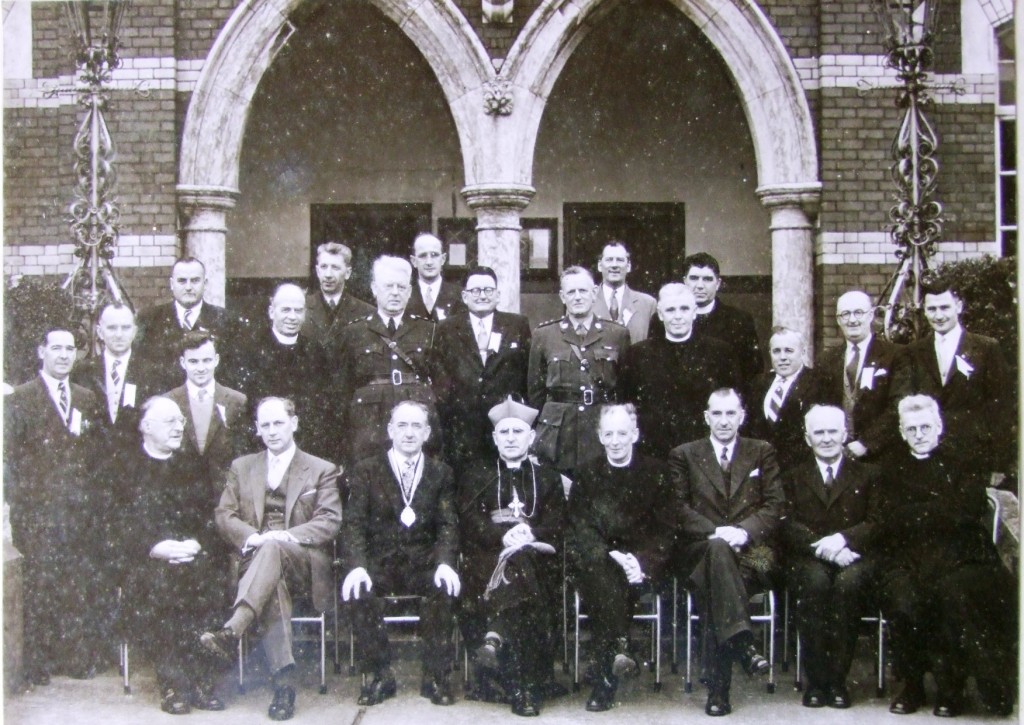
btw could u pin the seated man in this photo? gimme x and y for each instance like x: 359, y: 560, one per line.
x: 401, y: 536
x: 281, y: 511
x: 950, y: 602
x: 511, y: 516
x: 732, y: 502
x: 833, y: 504
x: 176, y: 579
x: 622, y: 522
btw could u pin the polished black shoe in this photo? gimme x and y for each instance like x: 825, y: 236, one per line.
x: 203, y: 698
x: 814, y: 697
x: 174, y: 702
x: 839, y: 697
x: 602, y: 696
x: 377, y: 690
x: 439, y: 690
x: 909, y: 699
x: 222, y: 643
x: 946, y: 707
x: 751, y: 661
x: 524, y: 703
x: 282, y: 707
x: 718, y: 704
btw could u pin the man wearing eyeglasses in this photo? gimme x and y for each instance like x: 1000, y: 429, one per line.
x: 482, y: 358
x: 865, y: 376
x: 431, y: 296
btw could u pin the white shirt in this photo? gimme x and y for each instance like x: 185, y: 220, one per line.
x: 786, y: 384
x: 332, y: 300
x: 109, y: 359
x: 193, y: 389
x: 284, y: 339
x: 384, y: 318
x: 193, y: 315
x: 609, y: 291
x: 945, y: 348
x: 718, y: 446
x: 862, y: 349
x: 278, y: 464
x: 823, y: 465
x: 51, y: 387
x: 398, y: 461
x: 434, y: 288
x: 482, y: 324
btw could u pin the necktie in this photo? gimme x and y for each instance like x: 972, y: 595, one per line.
x: 274, y: 472
x: 201, y: 394
x: 613, y: 308
x: 115, y: 376
x: 945, y: 359
x: 332, y: 304
x: 428, y: 299
x: 775, y: 403
x: 723, y: 461
x: 829, y: 479
x: 114, y: 391
x: 408, y: 472
x: 65, y: 403
x: 851, y: 368
x: 482, y: 339
x: 581, y: 331
x: 187, y: 318
x: 392, y: 327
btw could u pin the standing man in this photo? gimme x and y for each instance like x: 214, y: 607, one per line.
x: 865, y: 376
x: 833, y: 504
x: 729, y: 324
x: 117, y: 376
x: 384, y: 359
x: 512, y: 520
x: 573, y: 370
x: 401, y: 536
x: 732, y: 503
x: 51, y: 430
x: 161, y: 327
x: 615, y: 300
x: 482, y: 358
x: 216, y: 417
x: 967, y: 374
x: 280, y: 512
x: 670, y: 377
x: 329, y: 309
x: 623, y: 516
x: 782, y: 397
x: 432, y: 297
x: 177, y: 579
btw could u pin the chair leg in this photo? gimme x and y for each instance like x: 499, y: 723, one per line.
x: 771, y: 642
x: 688, y: 683
x: 241, y: 664
x: 127, y: 688
x: 675, y: 626
x: 351, y: 650
x: 323, y: 653
x: 785, y: 632
x: 657, y: 641
x: 576, y: 646
x: 798, y: 682
x: 880, y: 688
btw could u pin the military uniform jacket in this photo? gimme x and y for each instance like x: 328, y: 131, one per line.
x: 568, y: 381
x: 323, y: 324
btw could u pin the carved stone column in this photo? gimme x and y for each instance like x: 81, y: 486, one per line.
x: 497, y: 208
x: 793, y: 208
x: 205, y: 209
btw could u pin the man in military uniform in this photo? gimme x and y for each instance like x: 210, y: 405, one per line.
x: 383, y: 360
x: 574, y: 370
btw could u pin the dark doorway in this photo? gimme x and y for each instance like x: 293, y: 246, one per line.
x: 370, y: 230
x: 654, y: 233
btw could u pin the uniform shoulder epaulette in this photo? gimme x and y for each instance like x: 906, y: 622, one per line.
x: 550, y: 322
x: 611, y: 322
x: 359, y: 319
x: 413, y: 316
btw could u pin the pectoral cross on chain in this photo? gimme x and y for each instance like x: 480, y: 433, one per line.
x: 516, y: 507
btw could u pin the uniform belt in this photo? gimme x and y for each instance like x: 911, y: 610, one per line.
x: 578, y: 397
x: 397, y: 378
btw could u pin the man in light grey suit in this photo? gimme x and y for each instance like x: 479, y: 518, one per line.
x: 280, y: 511
x: 615, y: 300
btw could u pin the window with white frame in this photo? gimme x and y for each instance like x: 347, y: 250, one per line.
x: 1006, y: 141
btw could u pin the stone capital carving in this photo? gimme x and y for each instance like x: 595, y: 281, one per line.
x: 508, y: 196
x: 806, y: 197
x: 498, y: 100
x: 194, y: 198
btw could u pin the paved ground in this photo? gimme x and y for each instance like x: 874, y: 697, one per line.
x: 100, y: 701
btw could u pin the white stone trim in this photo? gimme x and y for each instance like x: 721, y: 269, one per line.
x: 142, y: 250
x: 877, y: 248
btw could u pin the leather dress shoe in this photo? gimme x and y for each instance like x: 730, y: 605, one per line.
x: 282, y: 707
x: 377, y: 690
x: 222, y: 643
x: 439, y: 690
x: 718, y: 703
x: 202, y: 698
x: 524, y: 703
x: 174, y: 702
x: 814, y: 697
x: 751, y: 661
x: 839, y: 697
x: 909, y: 699
x: 602, y: 696
x: 946, y: 707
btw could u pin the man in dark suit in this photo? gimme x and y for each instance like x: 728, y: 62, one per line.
x: 432, y: 297
x: 781, y: 398
x: 161, y: 327
x: 670, y: 377
x: 573, y: 370
x: 384, y: 358
x: 329, y: 309
x: 865, y: 376
x: 729, y: 324
x: 280, y: 511
x: 401, y: 536
x: 616, y: 301
x: 51, y: 428
x: 732, y: 503
x: 117, y: 376
x: 481, y: 358
x: 623, y: 515
x: 833, y: 504
x: 967, y: 374
x: 217, y: 426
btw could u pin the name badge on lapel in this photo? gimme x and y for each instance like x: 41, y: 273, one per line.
x: 867, y: 378
x: 223, y: 413
x: 75, y: 426
x: 963, y: 366
x: 129, y: 396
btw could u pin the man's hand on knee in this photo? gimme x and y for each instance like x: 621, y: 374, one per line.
x: 356, y: 578
x: 734, y: 536
x: 446, y: 577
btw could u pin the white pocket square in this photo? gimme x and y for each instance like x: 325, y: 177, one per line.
x: 755, y: 472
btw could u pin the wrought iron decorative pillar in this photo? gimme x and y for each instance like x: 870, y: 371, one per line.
x: 916, y: 217
x: 94, y: 213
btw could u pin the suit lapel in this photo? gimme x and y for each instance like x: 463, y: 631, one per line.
x: 712, y: 468
x: 841, y: 482
x: 464, y: 333
x: 816, y: 484
x: 258, y: 486
x: 743, y: 460
x: 393, y: 490
x: 931, y: 359
x: 294, y: 478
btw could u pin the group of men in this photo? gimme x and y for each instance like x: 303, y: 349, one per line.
x: 635, y: 438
